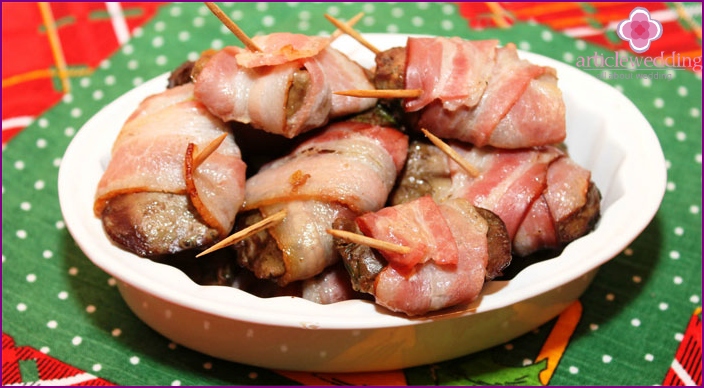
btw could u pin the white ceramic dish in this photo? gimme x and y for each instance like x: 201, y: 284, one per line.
x: 606, y: 134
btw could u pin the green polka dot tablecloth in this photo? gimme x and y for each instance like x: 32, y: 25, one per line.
x: 57, y: 306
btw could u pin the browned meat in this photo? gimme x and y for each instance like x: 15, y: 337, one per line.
x: 151, y: 223
x: 181, y: 75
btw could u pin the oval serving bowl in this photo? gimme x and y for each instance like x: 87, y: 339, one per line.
x: 605, y: 134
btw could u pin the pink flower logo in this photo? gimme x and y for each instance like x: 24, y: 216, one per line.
x: 639, y: 30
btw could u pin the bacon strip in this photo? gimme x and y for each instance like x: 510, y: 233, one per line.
x: 255, y: 87
x: 442, y: 282
x: 346, y: 169
x: 479, y: 93
x: 351, y: 163
x: 149, y: 155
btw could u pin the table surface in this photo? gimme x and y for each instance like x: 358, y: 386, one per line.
x: 64, y: 321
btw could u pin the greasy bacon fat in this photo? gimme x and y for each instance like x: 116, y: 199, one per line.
x: 286, y: 89
x: 149, y: 157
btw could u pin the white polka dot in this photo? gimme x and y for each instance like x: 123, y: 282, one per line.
x: 610, y: 297
x: 21, y: 234
x: 110, y: 80
x: 694, y: 299
x: 637, y: 279
x: 26, y: 206
x: 593, y: 327
x: 139, y: 31
x: 397, y: 12
x: 574, y: 370
x: 105, y: 64
x: 635, y: 322
x: 646, y: 82
x: 41, y: 143
x: 175, y: 383
x: 21, y: 307
x: 19, y: 165
x: 175, y: 11
x: 546, y: 36
x: 392, y: 28
x: 523, y: 45
x: 73, y: 271
x: 671, y: 186
x: 98, y: 95
x: 262, y: 6
x: 127, y: 49
x: 52, y: 324
x: 417, y: 21
x: 698, y: 158
x: 116, y: 332
x: 90, y: 309
x: 681, y: 136
x: 184, y: 36
x: 112, y: 282
x: 60, y: 225
x: 31, y: 278
x: 47, y: 254
x: 134, y: 360
x: 208, y: 365
x: 527, y: 361
x: 568, y: 57
x: 694, y: 112
x: 649, y: 357
x: 198, y: 21
x: 39, y: 185
x: 159, y: 26
x: 132, y: 64
x: 69, y: 131
x: 682, y: 91
x: 694, y: 209
x: 448, y: 9
x: 677, y: 280
x: 674, y: 255
x: 663, y: 306
x: 669, y: 121
x: 447, y: 25
x: 63, y: 295
x: 679, y: 336
x: 44, y: 349
x: 161, y: 60
x: 580, y: 44
x: 85, y: 82
x: 67, y: 98
x: 659, y: 102
x: 158, y: 41
x: 679, y: 231
x: 217, y: 44
x: 137, y: 81
x: 96, y: 367
x: 606, y: 358
x: 268, y: 21
x: 76, y: 112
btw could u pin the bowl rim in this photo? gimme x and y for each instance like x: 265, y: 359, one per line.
x: 643, y: 174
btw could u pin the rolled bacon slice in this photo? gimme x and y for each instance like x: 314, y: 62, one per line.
x: 544, y: 198
x: 477, y: 92
x: 148, y: 200
x: 446, y: 267
x: 345, y: 170
x: 286, y: 89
